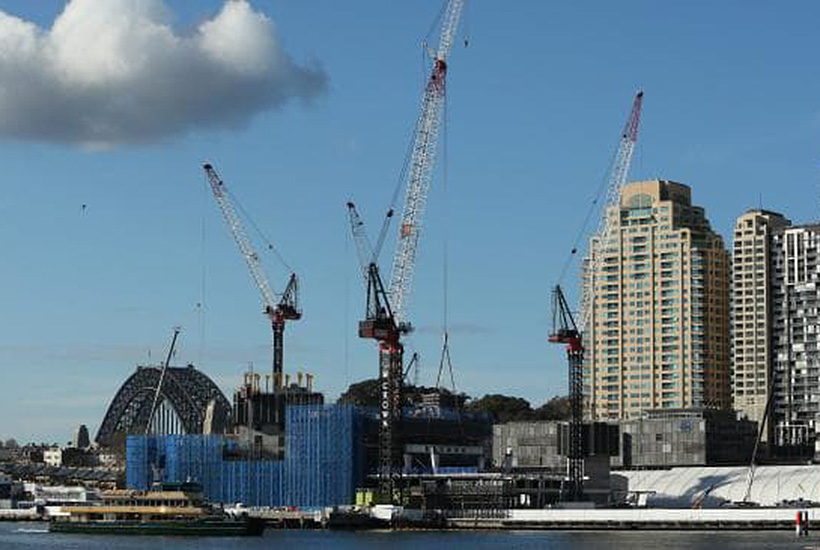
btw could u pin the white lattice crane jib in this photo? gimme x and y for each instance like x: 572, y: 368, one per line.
x: 422, y: 160
x: 286, y: 308
x: 617, y: 179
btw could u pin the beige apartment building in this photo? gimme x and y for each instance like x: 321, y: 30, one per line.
x: 657, y: 336
x: 752, y: 321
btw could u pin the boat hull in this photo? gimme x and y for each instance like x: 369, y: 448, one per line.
x: 203, y: 528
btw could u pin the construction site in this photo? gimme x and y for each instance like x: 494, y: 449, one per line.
x: 641, y: 433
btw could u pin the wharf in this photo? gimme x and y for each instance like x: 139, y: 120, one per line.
x: 28, y: 514
x: 714, y: 519
x: 276, y: 518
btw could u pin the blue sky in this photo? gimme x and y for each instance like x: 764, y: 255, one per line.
x: 536, y: 105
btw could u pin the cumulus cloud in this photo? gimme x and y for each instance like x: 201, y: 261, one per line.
x: 115, y: 72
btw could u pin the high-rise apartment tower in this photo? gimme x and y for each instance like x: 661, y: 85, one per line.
x: 658, y: 335
x: 751, y: 318
x: 795, y: 320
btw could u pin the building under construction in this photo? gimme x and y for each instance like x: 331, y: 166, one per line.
x: 329, y: 452
x: 259, y: 416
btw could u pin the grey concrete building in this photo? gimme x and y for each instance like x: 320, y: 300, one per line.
x: 657, y: 439
x: 706, y: 437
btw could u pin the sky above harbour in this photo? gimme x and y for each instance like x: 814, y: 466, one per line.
x: 110, y: 237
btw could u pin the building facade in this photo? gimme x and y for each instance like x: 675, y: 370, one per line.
x: 657, y: 334
x: 795, y: 265
x: 689, y: 437
x: 751, y: 317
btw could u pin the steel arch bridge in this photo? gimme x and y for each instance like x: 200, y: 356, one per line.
x: 186, y: 389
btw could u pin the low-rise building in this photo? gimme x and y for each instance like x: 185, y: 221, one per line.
x: 686, y: 437
x: 53, y: 456
x: 657, y: 439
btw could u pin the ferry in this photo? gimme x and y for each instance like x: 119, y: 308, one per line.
x: 167, y: 509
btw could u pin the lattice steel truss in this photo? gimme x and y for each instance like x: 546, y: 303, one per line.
x: 186, y: 389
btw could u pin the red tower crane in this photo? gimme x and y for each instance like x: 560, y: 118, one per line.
x: 386, y: 309
x: 286, y: 308
x: 564, y: 331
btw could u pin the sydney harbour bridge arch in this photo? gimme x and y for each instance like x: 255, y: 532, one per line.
x: 189, y: 403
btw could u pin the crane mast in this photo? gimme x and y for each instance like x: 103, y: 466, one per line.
x: 286, y: 308
x: 617, y: 179
x: 380, y: 324
x: 565, y: 331
x: 386, y: 309
x: 422, y: 160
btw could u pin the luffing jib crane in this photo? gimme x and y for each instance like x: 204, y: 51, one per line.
x: 380, y: 324
x: 386, y: 309
x: 286, y: 308
x: 565, y: 331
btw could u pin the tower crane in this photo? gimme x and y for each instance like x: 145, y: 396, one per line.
x: 380, y: 324
x: 286, y: 308
x: 565, y: 331
x: 386, y: 309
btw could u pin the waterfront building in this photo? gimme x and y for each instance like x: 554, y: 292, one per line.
x: 664, y: 438
x: 795, y: 267
x: 659, y: 438
x: 543, y: 444
x: 330, y: 451
x: 658, y: 332
x: 751, y: 316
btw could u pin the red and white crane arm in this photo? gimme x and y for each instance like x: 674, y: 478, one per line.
x: 617, y: 179
x: 420, y: 169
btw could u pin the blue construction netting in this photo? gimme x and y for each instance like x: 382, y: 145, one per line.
x: 252, y: 482
x: 323, y: 465
x: 140, y: 455
x: 324, y: 459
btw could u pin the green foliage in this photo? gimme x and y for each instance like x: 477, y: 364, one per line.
x: 362, y: 394
x: 515, y: 409
x: 366, y: 394
x: 504, y: 408
x: 556, y: 408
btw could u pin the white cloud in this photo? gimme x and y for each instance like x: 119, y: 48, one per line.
x: 115, y: 72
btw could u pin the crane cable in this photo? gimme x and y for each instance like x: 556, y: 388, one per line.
x: 593, y: 207
x: 268, y: 244
x: 445, y: 349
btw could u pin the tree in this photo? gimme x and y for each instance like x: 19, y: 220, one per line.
x: 556, y: 408
x: 362, y: 394
x: 503, y: 407
x: 366, y: 394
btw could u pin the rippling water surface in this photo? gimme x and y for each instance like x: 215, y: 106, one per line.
x: 34, y: 536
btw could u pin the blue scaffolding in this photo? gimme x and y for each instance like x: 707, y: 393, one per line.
x: 323, y: 465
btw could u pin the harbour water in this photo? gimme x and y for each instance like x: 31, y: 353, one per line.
x: 34, y: 536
